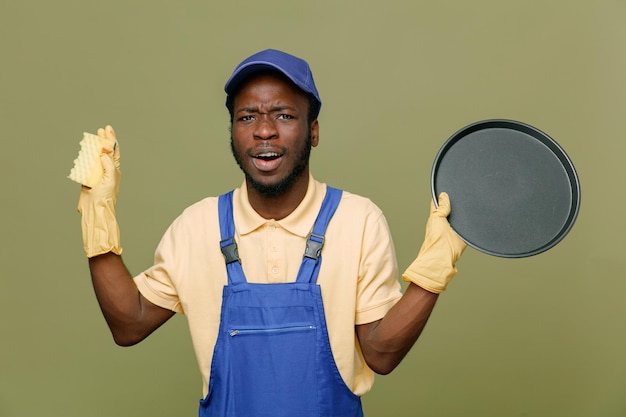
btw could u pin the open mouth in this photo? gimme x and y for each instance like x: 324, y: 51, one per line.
x: 267, y: 161
x: 267, y: 156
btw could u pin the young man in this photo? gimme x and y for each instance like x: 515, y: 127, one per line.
x: 289, y: 286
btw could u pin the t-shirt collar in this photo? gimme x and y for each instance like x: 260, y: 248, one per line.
x: 299, y: 222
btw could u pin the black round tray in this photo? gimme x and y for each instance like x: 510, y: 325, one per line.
x: 514, y: 192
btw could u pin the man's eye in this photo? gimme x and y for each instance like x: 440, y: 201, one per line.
x: 285, y: 116
x: 246, y: 118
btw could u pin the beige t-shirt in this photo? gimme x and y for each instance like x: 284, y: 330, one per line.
x: 358, y: 275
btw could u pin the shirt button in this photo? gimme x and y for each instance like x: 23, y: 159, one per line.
x: 272, y: 228
x: 275, y: 270
x: 274, y: 249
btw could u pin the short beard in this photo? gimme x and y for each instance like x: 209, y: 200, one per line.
x: 280, y: 188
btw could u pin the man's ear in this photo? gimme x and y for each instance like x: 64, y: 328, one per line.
x: 315, y: 133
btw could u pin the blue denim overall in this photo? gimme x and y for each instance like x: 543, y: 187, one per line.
x: 272, y: 357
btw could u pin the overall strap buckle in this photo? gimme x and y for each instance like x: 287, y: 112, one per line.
x: 314, y: 244
x: 229, y: 250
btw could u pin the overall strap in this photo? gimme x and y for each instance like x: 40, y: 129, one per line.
x: 312, y: 259
x: 228, y: 244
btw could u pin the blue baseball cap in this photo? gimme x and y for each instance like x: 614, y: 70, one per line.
x: 294, y: 68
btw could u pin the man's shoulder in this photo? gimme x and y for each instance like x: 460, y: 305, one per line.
x: 201, y: 208
x: 357, y: 199
x: 358, y: 217
x: 357, y: 204
x: 204, y: 205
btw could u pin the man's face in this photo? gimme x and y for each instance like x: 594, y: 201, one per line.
x: 271, y: 138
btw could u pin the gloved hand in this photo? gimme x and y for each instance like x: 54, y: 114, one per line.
x: 435, y: 264
x: 96, y: 205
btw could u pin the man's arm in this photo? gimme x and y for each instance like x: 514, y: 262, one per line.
x: 385, y: 342
x: 130, y: 316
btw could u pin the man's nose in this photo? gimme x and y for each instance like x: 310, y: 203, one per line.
x: 265, y: 128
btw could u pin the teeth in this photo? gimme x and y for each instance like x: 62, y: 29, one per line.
x: 268, y: 155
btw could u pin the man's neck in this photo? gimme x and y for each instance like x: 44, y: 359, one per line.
x: 278, y: 207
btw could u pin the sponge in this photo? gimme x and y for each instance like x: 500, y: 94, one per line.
x: 87, y: 168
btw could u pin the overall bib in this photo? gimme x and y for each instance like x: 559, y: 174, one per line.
x: 272, y: 357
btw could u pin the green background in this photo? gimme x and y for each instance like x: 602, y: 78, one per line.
x: 540, y: 336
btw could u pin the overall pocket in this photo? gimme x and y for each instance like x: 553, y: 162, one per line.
x: 274, y: 368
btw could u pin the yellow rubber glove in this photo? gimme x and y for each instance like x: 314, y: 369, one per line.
x: 96, y: 205
x: 435, y: 264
